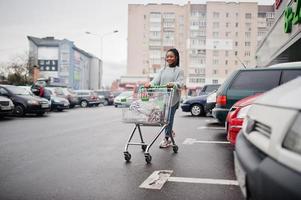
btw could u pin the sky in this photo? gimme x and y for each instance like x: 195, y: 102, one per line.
x: 70, y: 19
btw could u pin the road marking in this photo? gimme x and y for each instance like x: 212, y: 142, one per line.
x: 210, y: 128
x: 156, y: 180
x: 203, y: 181
x: 190, y: 141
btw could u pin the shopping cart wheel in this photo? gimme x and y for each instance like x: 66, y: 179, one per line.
x: 175, y: 148
x: 148, y: 158
x: 143, y: 147
x: 127, y: 156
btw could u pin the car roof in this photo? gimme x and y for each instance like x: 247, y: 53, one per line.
x: 287, y: 95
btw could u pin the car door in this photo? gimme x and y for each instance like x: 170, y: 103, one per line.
x: 251, y: 82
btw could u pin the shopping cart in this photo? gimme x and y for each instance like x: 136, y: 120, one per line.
x: 151, y: 107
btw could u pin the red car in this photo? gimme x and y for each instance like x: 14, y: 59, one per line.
x: 236, y: 116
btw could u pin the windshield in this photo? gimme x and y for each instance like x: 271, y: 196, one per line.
x: 18, y: 90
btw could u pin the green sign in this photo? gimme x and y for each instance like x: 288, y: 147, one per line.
x: 292, y: 17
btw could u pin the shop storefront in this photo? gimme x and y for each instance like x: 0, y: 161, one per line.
x: 283, y: 42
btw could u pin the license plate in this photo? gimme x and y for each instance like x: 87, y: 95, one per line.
x: 240, y: 175
x: 44, y: 105
x: 5, y: 108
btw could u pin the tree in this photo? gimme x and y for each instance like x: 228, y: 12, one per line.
x: 20, y: 70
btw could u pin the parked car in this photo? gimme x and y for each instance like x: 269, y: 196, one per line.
x: 108, y: 95
x: 195, y: 105
x: 71, y: 96
x: 6, y: 106
x: 124, y: 99
x: 247, y: 82
x: 209, y: 88
x: 87, y: 98
x: 268, y: 150
x: 236, y: 116
x: 24, y: 101
x: 57, y: 103
x: 210, y: 102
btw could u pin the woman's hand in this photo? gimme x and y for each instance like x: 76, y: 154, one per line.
x: 147, y: 85
x: 170, y: 85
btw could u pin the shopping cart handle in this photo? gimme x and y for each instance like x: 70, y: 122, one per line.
x: 157, y: 87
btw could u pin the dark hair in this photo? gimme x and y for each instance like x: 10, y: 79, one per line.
x: 176, y: 53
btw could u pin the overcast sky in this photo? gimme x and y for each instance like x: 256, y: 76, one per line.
x: 70, y: 19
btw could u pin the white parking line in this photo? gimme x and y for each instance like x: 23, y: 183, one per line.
x: 203, y: 181
x: 190, y: 141
x: 158, y: 178
x: 210, y: 128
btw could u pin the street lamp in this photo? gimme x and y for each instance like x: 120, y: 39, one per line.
x: 101, y: 46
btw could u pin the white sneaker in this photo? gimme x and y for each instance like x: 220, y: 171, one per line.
x: 165, y: 143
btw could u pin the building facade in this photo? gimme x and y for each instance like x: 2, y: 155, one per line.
x: 213, y: 38
x: 64, y: 63
x: 283, y: 41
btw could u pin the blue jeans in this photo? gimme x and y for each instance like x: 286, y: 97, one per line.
x: 168, y: 129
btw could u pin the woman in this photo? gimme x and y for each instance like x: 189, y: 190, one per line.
x: 170, y: 76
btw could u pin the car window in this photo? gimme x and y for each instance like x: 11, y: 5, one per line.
x: 3, y: 91
x: 211, y: 88
x: 256, y: 80
x: 288, y: 75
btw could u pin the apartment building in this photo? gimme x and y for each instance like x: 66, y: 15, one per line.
x: 213, y: 38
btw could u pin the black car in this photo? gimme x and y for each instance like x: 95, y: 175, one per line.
x: 57, y: 103
x: 195, y: 105
x: 6, y: 106
x: 24, y: 101
x: 109, y: 97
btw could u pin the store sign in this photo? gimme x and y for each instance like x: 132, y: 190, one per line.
x: 291, y: 17
x: 48, y: 65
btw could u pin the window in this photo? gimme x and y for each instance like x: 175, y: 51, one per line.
x: 215, y: 34
x: 227, y: 15
x: 236, y: 43
x: 214, y: 81
x: 215, y: 61
x: 256, y: 80
x: 248, y: 15
x: 247, y: 44
x: 226, y: 62
x: 236, y: 34
x: 227, y: 34
x: 235, y: 53
x: 215, y: 15
x: 215, y: 24
x: 236, y: 24
x: 236, y: 15
x: 215, y: 53
x: 288, y: 75
x: 247, y: 53
x: 214, y: 71
x: 227, y: 24
x: 226, y: 53
x: 248, y: 34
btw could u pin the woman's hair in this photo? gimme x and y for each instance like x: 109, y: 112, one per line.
x: 176, y: 53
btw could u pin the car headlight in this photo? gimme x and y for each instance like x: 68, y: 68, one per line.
x: 33, y: 102
x: 56, y: 100
x: 292, y: 140
x: 242, y: 113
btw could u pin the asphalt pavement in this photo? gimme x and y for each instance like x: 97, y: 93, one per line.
x: 78, y: 154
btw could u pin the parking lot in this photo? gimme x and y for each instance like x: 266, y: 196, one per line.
x: 78, y: 154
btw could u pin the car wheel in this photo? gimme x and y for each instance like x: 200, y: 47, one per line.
x: 83, y: 104
x: 19, y: 110
x: 196, y: 110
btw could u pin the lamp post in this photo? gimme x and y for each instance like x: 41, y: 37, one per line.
x: 101, y: 47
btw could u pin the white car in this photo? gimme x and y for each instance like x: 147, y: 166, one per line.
x: 6, y: 106
x: 268, y: 149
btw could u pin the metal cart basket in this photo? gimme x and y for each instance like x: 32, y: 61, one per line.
x: 151, y: 107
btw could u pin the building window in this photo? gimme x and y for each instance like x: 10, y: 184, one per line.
x: 214, y: 81
x: 236, y: 34
x: 236, y: 44
x: 235, y: 53
x: 215, y: 61
x: 248, y: 34
x: 227, y: 24
x: 215, y: 24
x: 215, y: 15
x: 248, y: 15
x: 236, y: 24
x: 215, y: 71
x: 247, y: 44
x: 247, y: 53
x: 215, y: 53
x: 236, y: 14
x: 215, y: 34
x: 227, y: 34
x: 226, y: 62
x: 227, y: 15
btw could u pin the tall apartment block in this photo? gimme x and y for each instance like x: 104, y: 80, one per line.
x: 213, y: 38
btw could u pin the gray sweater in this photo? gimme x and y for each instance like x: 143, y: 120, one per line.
x: 174, y: 75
